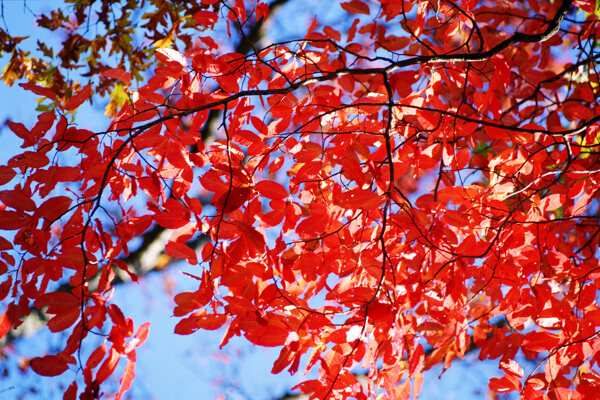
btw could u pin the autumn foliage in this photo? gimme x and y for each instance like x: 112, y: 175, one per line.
x: 414, y: 182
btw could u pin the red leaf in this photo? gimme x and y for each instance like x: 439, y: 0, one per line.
x: 206, y: 18
x: 171, y: 219
x: 6, y: 174
x: 507, y: 383
x: 79, y: 98
x: 17, y: 199
x: 63, y: 320
x: 417, y: 358
x: 126, y: 379
x: 5, y: 324
x: 180, y: 250
x: 116, y: 315
x: 21, y: 131
x: 552, y: 202
x: 358, y: 199
x: 29, y: 159
x: 108, y: 366
x: 265, y: 335
x: 455, y: 218
x: 39, y: 90
x: 576, y: 111
x: 200, y: 320
x: 171, y: 56
x: 118, y: 73
x: 5, y: 244
x: 48, y: 365
x: 142, y: 333
x: 512, y: 367
x: 71, y: 392
x: 96, y: 356
x: 540, y: 341
x: 232, y: 199
x: 13, y: 220
x: 356, y: 7
x: 271, y: 190
x: 54, y: 208
x: 57, y: 302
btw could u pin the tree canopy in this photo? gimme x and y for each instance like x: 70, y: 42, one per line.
x: 400, y: 184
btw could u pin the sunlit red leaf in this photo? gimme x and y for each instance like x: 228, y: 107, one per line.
x: 118, y: 73
x: 358, y: 199
x: 5, y: 324
x: 507, y: 383
x: 171, y: 219
x: 108, y: 366
x: 142, y: 333
x: 268, y: 336
x: 271, y: 190
x: 200, y: 320
x: 417, y: 360
x: 171, y: 56
x: 126, y: 379
x: 181, y: 250
x: 540, y: 341
x: 512, y: 367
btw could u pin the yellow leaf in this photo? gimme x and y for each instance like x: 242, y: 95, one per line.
x: 163, y: 43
